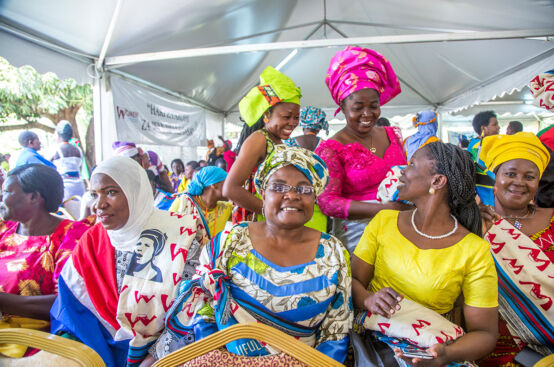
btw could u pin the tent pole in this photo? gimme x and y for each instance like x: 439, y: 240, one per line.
x: 97, y: 116
x: 396, y: 39
x: 108, y: 39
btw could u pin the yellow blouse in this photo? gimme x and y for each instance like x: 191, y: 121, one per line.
x: 435, y: 277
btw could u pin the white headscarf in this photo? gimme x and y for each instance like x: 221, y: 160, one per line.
x: 132, y: 179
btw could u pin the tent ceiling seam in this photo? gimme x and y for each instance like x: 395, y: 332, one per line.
x: 253, y: 84
x: 397, y: 39
x: 498, y: 76
x: 76, y: 55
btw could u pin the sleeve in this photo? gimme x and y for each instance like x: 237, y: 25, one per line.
x: 62, y: 251
x: 331, y: 201
x: 333, y: 333
x: 480, y: 284
x: 367, y: 247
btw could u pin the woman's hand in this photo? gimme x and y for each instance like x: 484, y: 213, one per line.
x: 384, y: 302
x: 488, y: 217
x: 437, y: 351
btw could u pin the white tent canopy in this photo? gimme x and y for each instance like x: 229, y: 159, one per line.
x: 449, y: 55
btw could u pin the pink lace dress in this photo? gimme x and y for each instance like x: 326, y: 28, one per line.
x: 355, y: 174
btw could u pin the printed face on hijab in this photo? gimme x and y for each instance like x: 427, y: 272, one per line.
x: 288, y: 210
x: 284, y: 118
x: 362, y: 110
x: 110, y: 203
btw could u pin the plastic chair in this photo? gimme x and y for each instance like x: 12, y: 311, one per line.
x: 261, y: 332
x: 70, y: 349
x: 73, y: 207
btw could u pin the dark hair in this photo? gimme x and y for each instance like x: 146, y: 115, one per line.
x: 249, y: 130
x: 26, y: 137
x: 64, y: 130
x: 202, y: 161
x: 464, y: 143
x: 193, y: 164
x: 482, y: 119
x: 42, y: 179
x: 515, y: 126
x: 383, y: 121
x: 179, y: 162
x: 458, y: 167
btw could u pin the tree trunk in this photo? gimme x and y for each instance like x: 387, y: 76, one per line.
x: 89, y: 141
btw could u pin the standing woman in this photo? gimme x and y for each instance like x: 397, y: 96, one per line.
x: 204, y: 198
x: 272, y: 111
x: 360, y: 155
x: 68, y: 160
x: 312, y: 121
x: 521, y: 236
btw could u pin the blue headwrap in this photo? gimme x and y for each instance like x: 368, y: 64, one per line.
x: 313, y: 118
x: 426, y: 123
x: 207, y: 176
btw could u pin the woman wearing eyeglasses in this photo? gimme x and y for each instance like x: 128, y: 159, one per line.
x: 276, y: 271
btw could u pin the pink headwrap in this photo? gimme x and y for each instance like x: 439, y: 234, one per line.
x: 357, y: 68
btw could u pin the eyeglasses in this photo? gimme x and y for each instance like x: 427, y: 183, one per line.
x: 284, y: 188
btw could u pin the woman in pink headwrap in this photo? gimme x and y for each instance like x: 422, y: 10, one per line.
x: 359, y: 156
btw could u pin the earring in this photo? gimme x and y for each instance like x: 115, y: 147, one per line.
x: 431, y: 191
x: 263, y: 212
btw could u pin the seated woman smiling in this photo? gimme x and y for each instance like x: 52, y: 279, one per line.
x: 277, y: 271
x: 410, y: 267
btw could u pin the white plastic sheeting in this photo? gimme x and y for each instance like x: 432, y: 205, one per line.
x: 446, y: 76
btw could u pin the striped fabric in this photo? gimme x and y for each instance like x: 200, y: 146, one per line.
x: 526, y: 289
x: 235, y: 283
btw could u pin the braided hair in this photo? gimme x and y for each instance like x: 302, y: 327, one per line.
x: 456, y: 164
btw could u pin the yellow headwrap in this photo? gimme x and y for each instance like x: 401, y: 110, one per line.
x: 497, y: 149
x: 274, y: 87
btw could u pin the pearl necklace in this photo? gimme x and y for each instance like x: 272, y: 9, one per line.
x: 435, y: 237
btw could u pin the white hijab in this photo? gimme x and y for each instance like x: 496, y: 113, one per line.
x: 132, y: 179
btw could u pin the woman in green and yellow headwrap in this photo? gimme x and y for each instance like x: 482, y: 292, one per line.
x: 271, y: 110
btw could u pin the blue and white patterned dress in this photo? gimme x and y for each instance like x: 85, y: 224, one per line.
x: 311, y: 301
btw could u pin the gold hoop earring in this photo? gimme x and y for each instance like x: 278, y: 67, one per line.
x: 432, y: 191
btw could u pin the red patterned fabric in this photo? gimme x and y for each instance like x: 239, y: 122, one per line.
x: 355, y: 173
x: 30, y: 265
x: 223, y: 358
x: 94, y: 261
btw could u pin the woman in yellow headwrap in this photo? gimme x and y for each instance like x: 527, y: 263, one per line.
x: 521, y: 236
x: 271, y: 110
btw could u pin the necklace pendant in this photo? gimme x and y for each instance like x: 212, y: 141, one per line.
x: 517, y: 224
x: 373, y: 150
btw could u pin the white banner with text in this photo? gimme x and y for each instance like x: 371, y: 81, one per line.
x: 143, y: 116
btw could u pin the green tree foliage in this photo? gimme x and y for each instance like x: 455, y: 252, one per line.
x: 27, y: 96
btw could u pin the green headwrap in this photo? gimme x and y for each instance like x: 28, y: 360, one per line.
x: 274, y: 87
